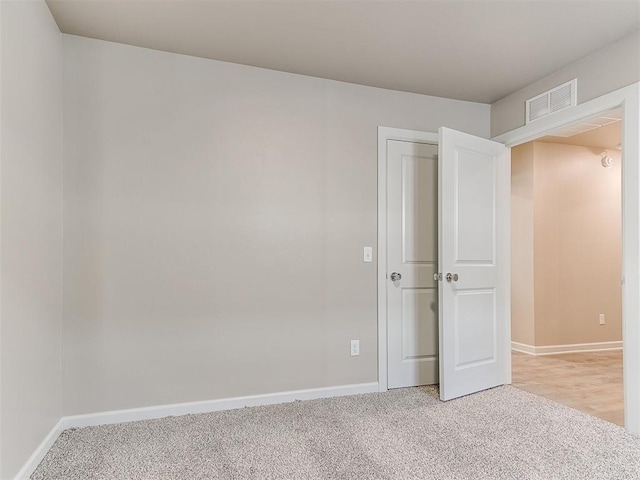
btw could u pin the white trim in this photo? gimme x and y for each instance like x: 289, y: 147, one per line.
x: 147, y: 413
x: 571, y: 348
x: 161, y: 411
x: 569, y: 116
x: 523, y: 348
x: 629, y: 99
x: 36, y: 457
x: 385, y: 134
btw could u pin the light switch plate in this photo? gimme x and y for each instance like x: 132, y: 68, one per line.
x: 368, y: 255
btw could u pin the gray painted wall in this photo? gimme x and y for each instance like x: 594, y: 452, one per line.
x: 214, y: 221
x: 30, y: 230
x: 604, y: 71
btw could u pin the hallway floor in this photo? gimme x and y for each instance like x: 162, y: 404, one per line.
x: 590, y: 382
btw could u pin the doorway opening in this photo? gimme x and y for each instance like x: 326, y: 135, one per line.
x: 566, y: 266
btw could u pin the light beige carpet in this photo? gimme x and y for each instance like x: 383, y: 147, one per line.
x: 503, y: 433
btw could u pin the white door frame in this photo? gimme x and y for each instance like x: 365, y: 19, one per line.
x: 629, y: 99
x: 384, y: 134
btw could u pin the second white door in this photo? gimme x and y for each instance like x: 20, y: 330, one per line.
x: 412, y: 256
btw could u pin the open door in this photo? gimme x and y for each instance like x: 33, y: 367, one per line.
x: 474, y: 288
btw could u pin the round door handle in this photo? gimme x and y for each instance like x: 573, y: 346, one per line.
x: 395, y: 276
x: 451, y: 276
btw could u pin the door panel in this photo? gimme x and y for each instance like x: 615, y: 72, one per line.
x: 419, y: 207
x: 472, y: 325
x: 419, y: 323
x: 474, y: 187
x: 475, y: 328
x: 412, y: 316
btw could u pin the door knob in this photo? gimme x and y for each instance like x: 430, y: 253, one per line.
x: 395, y: 276
x: 452, y: 276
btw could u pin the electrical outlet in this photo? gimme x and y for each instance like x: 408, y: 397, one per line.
x: 355, y: 348
x: 602, y: 319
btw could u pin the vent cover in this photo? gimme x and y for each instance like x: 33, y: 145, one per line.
x: 552, y: 101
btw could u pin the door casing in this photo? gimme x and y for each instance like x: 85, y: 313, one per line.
x: 384, y: 134
x: 629, y: 99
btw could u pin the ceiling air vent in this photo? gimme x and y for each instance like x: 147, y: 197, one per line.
x: 552, y: 101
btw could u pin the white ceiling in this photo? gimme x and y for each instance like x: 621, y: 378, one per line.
x: 478, y: 50
x: 604, y: 131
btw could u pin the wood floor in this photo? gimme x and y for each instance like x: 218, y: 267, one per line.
x: 590, y: 382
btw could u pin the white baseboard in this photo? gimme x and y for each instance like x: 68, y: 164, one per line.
x: 523, y: 348
x: 146, y: 413
x: 34, y: 460
x: 572, y: 348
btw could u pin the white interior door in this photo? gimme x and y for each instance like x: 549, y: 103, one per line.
x: 412, y: 260
x: 474, y: 316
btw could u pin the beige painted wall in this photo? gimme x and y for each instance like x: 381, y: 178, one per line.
x: 214, y: 220
x: 577, y: 245
x: 522, y: 299
x: 604, y: 71
x: 30, y: 230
